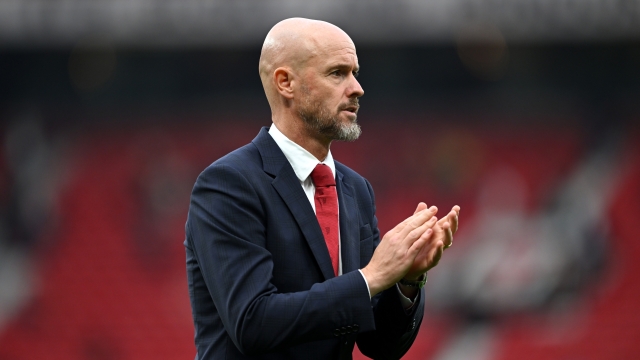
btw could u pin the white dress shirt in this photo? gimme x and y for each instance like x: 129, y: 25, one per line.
x: 303, y: 163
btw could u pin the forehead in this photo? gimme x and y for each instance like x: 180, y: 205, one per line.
x: 339, y: 52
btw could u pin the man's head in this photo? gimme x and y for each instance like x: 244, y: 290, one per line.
x: 308, y: 71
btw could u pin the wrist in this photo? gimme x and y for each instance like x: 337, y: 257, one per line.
x: 372, y: 282
x: 414, y: 282
x: 415, y: 277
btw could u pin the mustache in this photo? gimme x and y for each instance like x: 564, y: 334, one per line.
x: 353, y: 105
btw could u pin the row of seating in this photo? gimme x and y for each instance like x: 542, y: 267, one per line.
x: 112, y: 283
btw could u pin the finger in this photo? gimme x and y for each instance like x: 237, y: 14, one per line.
x: 427, y: 234
x: 444, y: 219
x: 417, y: 220
x: 449, y: 218
x: 448, y: 241
x: 455, y: 211
x: 398, y: 228
x: 427, y: 229
x: 431, y: 222
x: 424, y: 238
x: 415, y: 248
x: 453, y: 219
x: 421, y: 206
x: 418, y: 232
x: 435, y: 255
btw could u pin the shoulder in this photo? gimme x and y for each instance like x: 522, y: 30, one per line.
x: 242, y: 160
x: 245, y: 156
x: 235, y: 169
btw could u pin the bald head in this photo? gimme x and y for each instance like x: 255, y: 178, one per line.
x: 291, y: 44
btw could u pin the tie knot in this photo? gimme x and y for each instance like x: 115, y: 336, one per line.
x: 322, y: 176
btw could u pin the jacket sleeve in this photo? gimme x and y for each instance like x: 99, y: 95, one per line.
x: 226, y: 232
x: 396, y: 329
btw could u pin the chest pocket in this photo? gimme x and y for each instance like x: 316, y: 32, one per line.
x: 366, y: 245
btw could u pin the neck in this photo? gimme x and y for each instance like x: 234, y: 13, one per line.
x: 296, y: 130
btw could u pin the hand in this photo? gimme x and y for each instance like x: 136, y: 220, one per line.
x: 430, y: 254
x: 398, y: 249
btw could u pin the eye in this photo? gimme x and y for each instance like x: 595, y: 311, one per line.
x: 336, y: 73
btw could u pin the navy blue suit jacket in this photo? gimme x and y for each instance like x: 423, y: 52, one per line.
x: 260, y: 277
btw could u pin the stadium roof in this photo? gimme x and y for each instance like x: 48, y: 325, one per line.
x: 215, y: 23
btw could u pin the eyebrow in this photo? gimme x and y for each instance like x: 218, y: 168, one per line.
x: 344, y: 66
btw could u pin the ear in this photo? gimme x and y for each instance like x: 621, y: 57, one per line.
x: 284, y: 79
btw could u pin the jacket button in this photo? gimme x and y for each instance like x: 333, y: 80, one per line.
x: 349, y: 329
x: 336, y: 332
x: 355, y: 328
x: 343, y: 331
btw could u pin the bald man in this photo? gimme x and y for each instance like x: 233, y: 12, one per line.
x: 284, y: 255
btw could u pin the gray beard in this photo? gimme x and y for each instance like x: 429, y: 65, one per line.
x: 318, y: 120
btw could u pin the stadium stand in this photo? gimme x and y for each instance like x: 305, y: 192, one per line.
x: 112, y: 283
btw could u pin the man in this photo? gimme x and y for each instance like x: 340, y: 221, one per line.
x: 280, y: 238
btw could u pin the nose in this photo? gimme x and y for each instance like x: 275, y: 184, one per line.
x: 354, y: 89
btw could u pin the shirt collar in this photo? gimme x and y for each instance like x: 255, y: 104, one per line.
x: 302, y: 161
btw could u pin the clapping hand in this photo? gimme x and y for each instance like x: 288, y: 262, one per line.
x: 441, y: 239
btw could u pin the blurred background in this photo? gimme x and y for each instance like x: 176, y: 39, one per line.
x: 523, y: 112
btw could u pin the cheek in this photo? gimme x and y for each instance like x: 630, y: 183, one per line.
x: 328, y: 96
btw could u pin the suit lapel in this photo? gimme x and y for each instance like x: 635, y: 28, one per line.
x: 349, y: 239
x: 288, y: 187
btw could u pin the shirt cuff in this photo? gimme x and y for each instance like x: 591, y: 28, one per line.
x: 365, y: 281
x: 405, y: 301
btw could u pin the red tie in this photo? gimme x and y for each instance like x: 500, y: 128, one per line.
x: 326, y: 200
